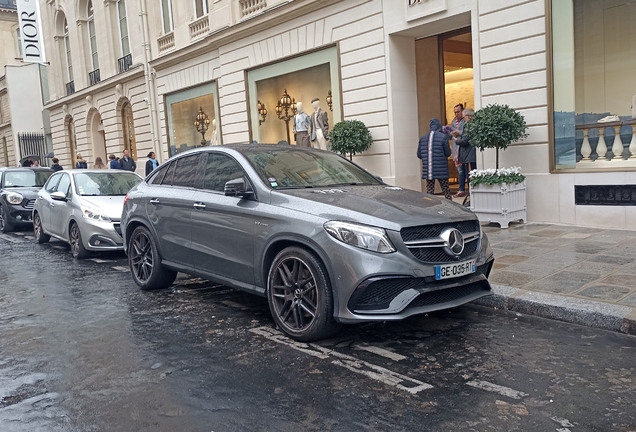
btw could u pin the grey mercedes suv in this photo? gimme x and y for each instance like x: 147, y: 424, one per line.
x: 325, y: 241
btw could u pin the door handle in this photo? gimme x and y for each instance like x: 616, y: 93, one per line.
x: 199, y: 206
x: 52, y: 205
x: 154, y: 201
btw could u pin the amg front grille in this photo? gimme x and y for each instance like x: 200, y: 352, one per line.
x: 437, y: 255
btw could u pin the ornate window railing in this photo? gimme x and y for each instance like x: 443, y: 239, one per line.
x: 166, y: 42
x: 199, y: 27
x: 70, y: 88
x: 251, y: 7
x: 125, y: 63
x: 93, y: 77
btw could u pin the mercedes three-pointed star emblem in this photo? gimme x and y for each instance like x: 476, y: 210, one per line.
x: 454, y: 242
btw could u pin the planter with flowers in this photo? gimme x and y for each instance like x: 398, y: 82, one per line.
x: 497, y: 195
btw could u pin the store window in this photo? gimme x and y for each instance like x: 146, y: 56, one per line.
x: 192, y: 118
x: 304, y: 78
x: 128, y: 122
x: 594, y: 58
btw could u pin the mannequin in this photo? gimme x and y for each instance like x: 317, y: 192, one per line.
x: 301, y: 127
x: 319, y: 126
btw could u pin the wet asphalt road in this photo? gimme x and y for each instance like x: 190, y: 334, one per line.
x: 82, y: 349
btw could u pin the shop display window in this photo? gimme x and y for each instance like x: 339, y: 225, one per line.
x: 594, y: 89
x: 304, y: 78
x: 183, y: 108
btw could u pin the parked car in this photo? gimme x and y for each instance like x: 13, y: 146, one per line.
x: 325, y: 241
x: 83, y: 208
x: 18, y: 189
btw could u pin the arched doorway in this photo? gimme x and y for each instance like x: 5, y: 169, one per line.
x: 96, y: 134
x: 71, y: 139
x: 130, y: 142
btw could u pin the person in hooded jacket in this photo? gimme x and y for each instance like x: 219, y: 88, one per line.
x: 81, y: 163
x: 434, y: 151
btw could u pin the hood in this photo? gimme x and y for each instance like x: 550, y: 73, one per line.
x: 435, y: 125
x: 382, y: 206
x: 111, y: 206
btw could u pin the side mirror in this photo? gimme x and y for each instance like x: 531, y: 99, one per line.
x: 58, y: 196
x: 238, y: 188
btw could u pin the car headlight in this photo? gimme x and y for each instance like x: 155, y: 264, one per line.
x: 14, y: 198
x: 96, y: 216
x: 365, y: 237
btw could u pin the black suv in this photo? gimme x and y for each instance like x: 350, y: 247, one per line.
x: 19, y: 188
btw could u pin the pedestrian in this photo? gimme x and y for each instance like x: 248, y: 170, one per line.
x: 127, y: 163
x: 114, y: 163
x: 99, y: 164
x: 467, y: 156
x: 433, y: 150
x: 56, y: 165
x: 27, y: 162
x: 151, y: 164
x: 81, y: 163
x: 36, y: 164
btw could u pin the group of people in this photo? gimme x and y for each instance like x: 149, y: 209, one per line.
x: 125, y: 163
x: 434, y: 151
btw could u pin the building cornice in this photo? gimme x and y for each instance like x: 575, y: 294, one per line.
x: 213, y: 41
x: 134, y: 72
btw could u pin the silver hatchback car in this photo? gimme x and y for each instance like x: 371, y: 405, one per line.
x: 83, y: 208
x: 325, y: 241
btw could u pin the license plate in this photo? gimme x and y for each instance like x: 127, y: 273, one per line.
x: 449, y: 271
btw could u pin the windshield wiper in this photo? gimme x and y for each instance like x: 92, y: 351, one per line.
x: 348, y: 184
x: 294, y: 187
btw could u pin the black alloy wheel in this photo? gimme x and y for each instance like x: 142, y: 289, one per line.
x: 5, y: 225
x: 77, y: 246
x: 300, y: 297
x: 145, y: 262
x: 40, y: 236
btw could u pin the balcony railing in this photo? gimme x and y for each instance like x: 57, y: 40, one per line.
x: 125, y: 63
x: 251, y: 7
x: 199, y: 27
x: 166, y: 42
x: 607, y: 145
x: 93, y: 77
x: 70, y: 88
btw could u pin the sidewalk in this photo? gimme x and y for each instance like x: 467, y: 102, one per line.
x: 580, y: 275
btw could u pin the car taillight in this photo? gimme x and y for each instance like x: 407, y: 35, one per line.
x: 126, y: 199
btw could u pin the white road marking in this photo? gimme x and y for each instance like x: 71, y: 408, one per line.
x: 381, y: 352
x: 563, y: 422
x: 504, y: 391
x: 121, y: 269
x: 563, y: 430
x: 377, y: 373
x: 100, y: 261
x: 10, y: 239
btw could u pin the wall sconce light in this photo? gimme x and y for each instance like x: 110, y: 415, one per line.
x: 202, y: 123
x: 329, y: 101
x: 262, y: 111
x: 283, y: 107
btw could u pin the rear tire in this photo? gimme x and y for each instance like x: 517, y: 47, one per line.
x: 300, y: 297
x: 5, y: 225
x: 77, y: 245
x: 38, y: 231
x: 145, y: 262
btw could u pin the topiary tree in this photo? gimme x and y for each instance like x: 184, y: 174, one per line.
x: 495, y: 126
x: 350, y: 137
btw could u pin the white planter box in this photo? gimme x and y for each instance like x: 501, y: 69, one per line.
x: 501, y: 204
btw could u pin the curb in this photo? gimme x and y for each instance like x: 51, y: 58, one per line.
x: 606, y: 316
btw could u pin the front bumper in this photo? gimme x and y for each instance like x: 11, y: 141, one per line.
x: 20, y: 214
x: 101, y: 236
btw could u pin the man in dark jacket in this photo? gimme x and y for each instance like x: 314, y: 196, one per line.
x: 56, y: 165
x: 434, y: 151
x: 128, y: 163
x: 466, y: 157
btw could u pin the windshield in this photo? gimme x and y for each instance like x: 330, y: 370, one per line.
x: 291, y: 169
x: 26, y: 178
x: 105, y: 183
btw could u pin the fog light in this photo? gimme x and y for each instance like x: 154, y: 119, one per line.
x: 19, y: 217
x: 97, y: 242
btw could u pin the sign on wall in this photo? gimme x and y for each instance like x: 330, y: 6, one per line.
x: 420, y: 8
x: 31, y: 31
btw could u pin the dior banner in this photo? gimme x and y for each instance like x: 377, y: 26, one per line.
x: 31, y: 31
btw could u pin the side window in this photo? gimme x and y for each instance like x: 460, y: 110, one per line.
x: 158, y: 175
x: 167, y: 179
x: 64, y: 185
x: 185, y: 173
x: 220, y: 170
x: 51, y: 184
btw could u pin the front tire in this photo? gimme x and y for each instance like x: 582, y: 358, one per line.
x: 38, y: 231
x: 77, y: 245
x: 300, y: 297
x: 145, y: 262
x: 5, y: 225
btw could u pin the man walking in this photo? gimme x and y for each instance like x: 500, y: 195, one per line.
x: 128, y: 163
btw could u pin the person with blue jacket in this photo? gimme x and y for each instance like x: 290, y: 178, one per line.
x: 433, y: 150
x: 114, y: 163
